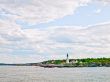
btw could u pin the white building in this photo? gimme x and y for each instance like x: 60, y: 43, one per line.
x: 73, y: 61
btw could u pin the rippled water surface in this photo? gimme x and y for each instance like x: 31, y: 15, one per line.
x: 37, y: 74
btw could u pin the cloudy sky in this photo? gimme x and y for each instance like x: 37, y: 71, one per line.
x: 37, y: 30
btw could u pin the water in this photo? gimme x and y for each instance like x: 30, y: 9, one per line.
x: 37, y: 74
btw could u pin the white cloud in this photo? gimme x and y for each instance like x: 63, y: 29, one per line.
x: 93, y: 41
x: 105, y: 2
x: 20, y: 59
x: 98, y: 11
x: 40, y: 11
x: 37, y: 11
x: 50, y: 42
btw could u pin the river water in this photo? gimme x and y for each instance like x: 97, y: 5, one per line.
x: 38, y: 74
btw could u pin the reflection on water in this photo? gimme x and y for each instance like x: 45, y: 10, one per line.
x: 37, y: 74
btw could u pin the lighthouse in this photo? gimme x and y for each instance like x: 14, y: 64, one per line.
x: 67, y: 59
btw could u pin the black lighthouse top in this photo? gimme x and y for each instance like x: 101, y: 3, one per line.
x: 67, y: 55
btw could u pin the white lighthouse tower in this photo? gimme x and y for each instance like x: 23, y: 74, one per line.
x: 67, y: 59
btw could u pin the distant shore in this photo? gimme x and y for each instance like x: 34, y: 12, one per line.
x: 88, y: 62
